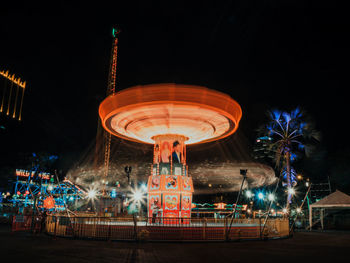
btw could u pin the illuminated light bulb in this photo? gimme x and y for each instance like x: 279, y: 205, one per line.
x: 92, y: 194
x: 138, y: 196
x: 144, y: 187
x: 260, y: 195
x: 271, y: 197
x: 291, y: 191
x: 249, y: 193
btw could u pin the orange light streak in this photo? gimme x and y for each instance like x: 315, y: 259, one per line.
x: 142, y: 112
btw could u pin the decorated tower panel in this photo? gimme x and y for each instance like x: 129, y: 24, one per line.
x: 169, y: 186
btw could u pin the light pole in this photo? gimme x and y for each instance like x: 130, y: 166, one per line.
x: 127, y: 170
x: 242, y: 172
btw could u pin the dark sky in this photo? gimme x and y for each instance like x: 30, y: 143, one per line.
x: 265, y: 54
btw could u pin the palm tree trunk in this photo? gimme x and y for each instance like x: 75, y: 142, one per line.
x: 289, y: 184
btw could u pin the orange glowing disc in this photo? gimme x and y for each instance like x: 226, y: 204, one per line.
x: 141, y: 113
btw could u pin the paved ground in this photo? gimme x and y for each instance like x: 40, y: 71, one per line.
x: 303, y: 247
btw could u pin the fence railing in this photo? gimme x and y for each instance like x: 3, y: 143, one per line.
x: 27, y: 222
x: 180, y: 229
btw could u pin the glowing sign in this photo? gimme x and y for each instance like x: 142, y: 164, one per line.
x: 25, y: 173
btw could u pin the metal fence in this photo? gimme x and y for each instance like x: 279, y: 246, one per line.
x: 27, y: 222
x: 171, y: 229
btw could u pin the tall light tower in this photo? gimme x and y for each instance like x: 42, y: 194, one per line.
x: 110, y: 91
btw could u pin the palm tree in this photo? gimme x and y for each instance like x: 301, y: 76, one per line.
x: 289, y: 135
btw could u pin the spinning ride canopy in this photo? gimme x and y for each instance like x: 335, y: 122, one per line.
x: 142, y: 113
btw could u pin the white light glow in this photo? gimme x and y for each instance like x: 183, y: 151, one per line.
x: 249, y: 193
x: 271, y: 197
x: 137, y: 196
x: 92, y: 194
x: 144, y: 187
x: 291, y: 191
x: 260, y: 195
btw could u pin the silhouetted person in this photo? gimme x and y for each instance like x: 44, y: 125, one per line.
x: 177, y: 152
x: 155, y: 210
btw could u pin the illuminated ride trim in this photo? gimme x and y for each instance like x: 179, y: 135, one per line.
x: 142, y: 112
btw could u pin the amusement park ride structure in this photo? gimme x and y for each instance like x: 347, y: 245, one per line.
x: 12, y: 94
x: 170, y: 116
x: 44, y: 191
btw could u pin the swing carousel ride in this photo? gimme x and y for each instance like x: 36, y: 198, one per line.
x: 170, y: 116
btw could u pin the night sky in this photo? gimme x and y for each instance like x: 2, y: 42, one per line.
x: 265, y: 54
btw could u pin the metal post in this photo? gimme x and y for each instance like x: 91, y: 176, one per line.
x: 128, y: 171
x: 64, y: 202
x: 300, y: 207
x: 55, y: 226
x: 260, y: 231
x: 109, y: 230
x: 204, y: 228
x: 271, y: 202
x: 310, y: 218
x: 135, y: 226
x: 244, y: 173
